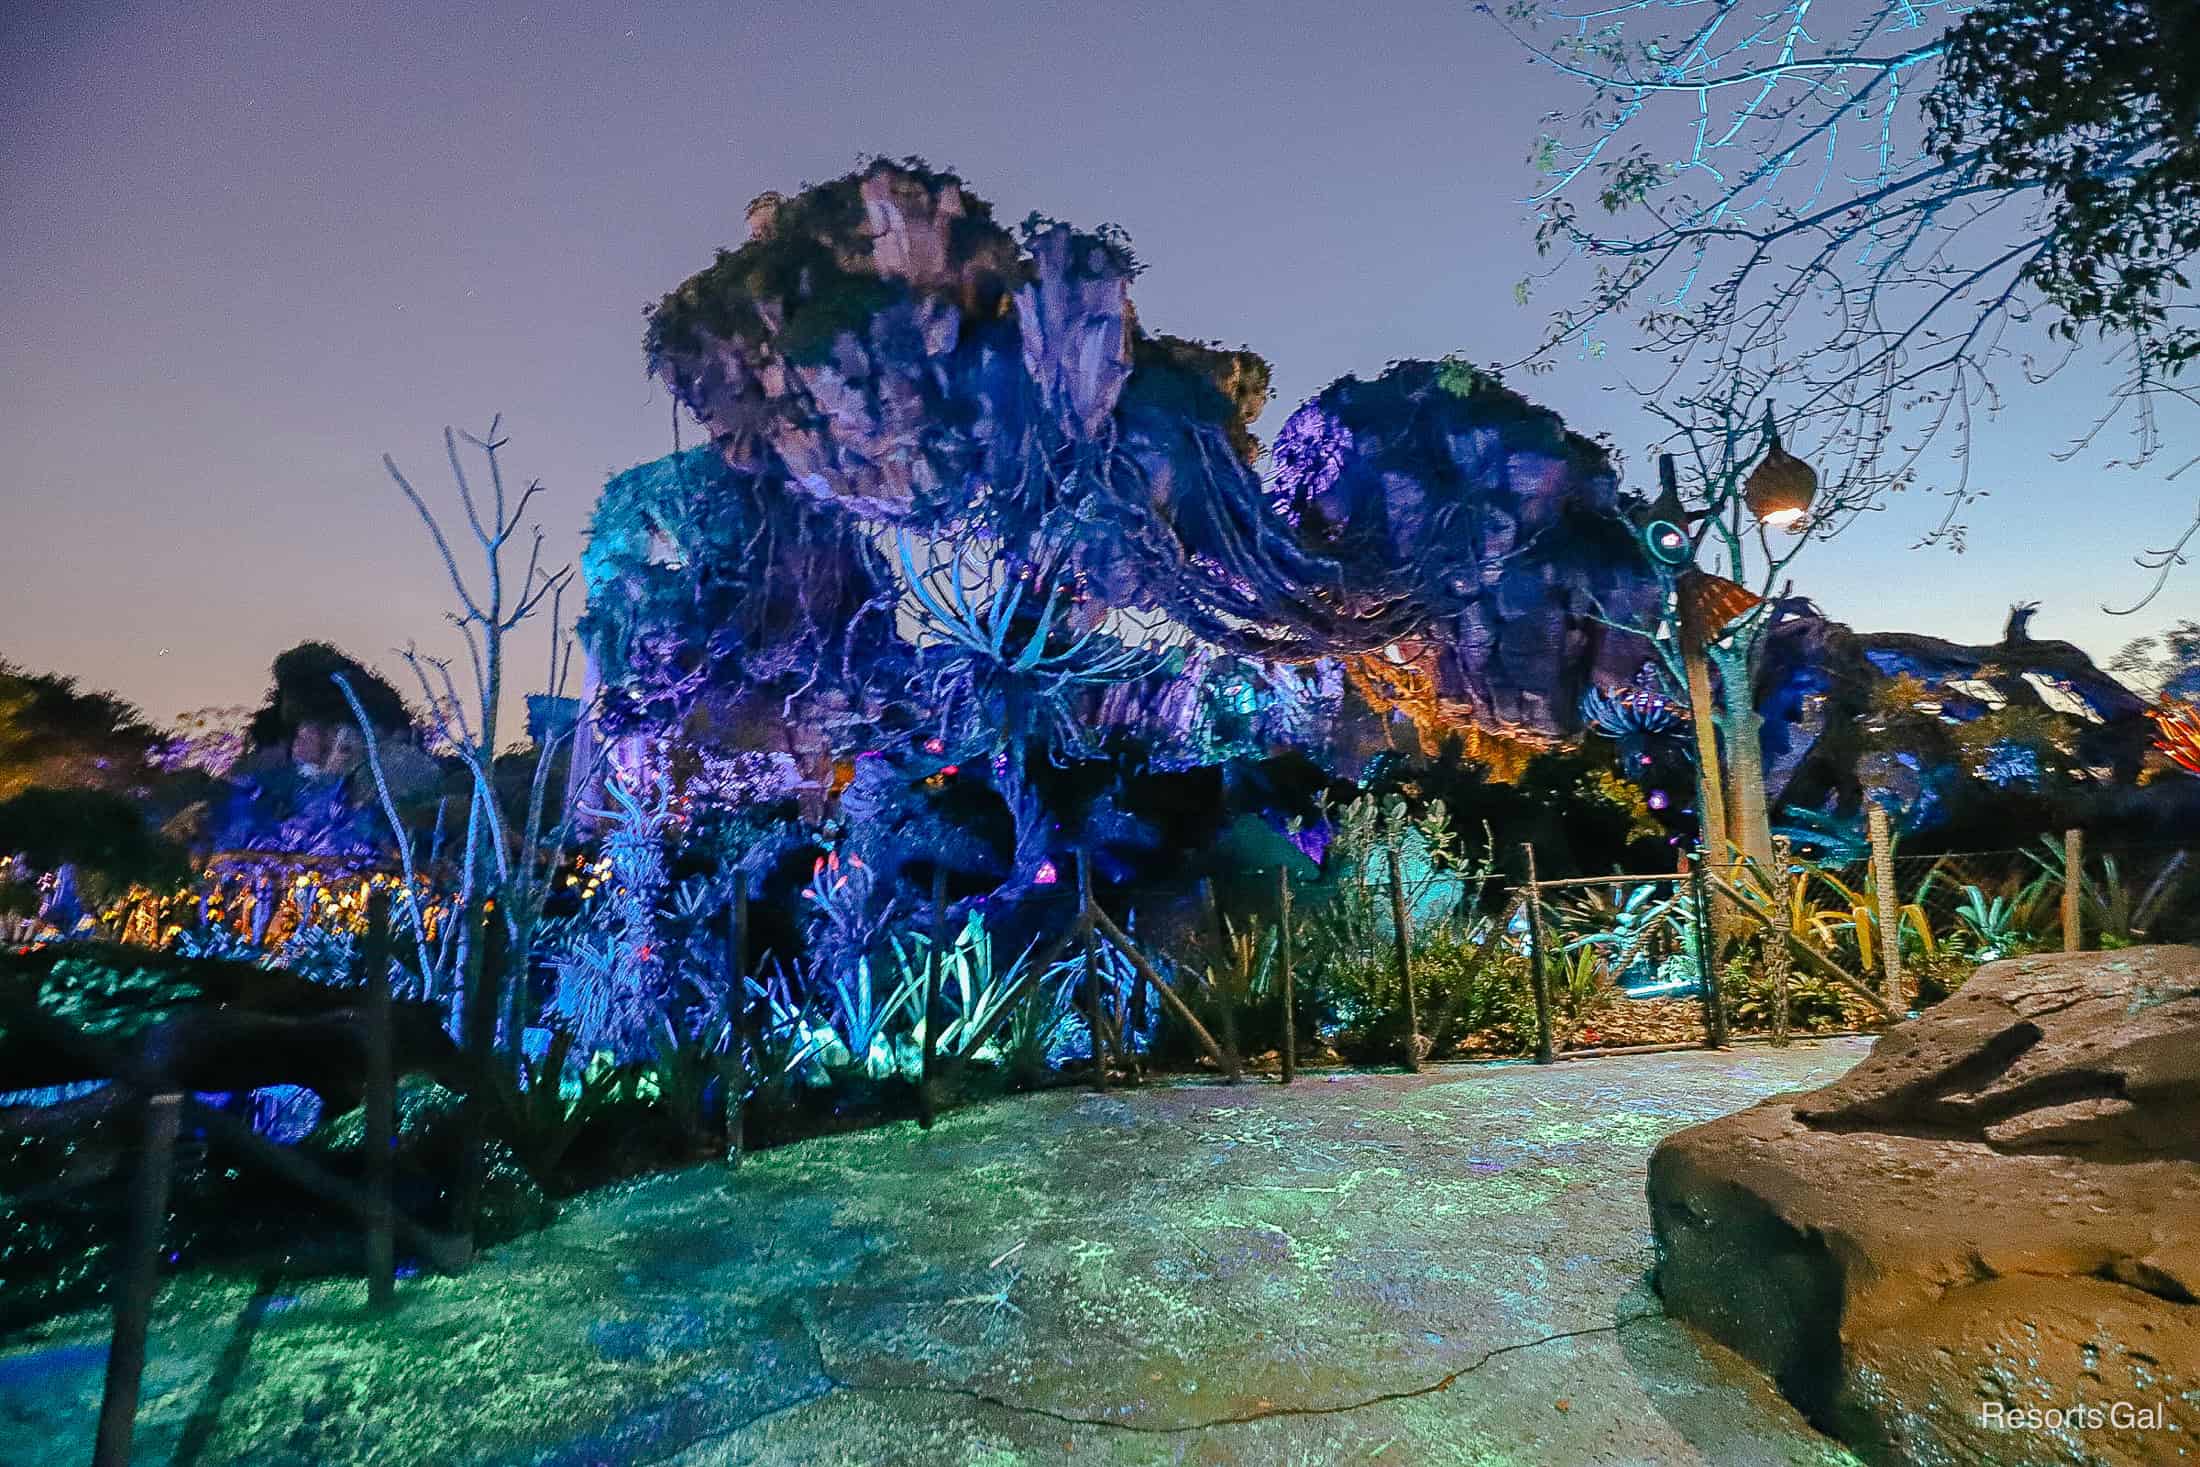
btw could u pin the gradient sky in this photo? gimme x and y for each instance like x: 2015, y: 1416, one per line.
x: 250, y: 247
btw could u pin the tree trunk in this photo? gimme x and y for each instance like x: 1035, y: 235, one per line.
x: 1712, y: 832
x: 381, y: 1104
x: 1710, y: 780
x: 1748, y: 815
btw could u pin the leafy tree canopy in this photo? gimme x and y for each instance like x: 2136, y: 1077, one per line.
x: 304, y: 691
x: 2096, y: 104
x: 99, y: 830
x: 2166, y: 665
x: 53, y: 732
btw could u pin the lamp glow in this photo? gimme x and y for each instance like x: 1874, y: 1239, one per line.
x: 1781, y: 488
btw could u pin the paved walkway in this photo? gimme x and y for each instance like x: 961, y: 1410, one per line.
x: 1444, y: 1268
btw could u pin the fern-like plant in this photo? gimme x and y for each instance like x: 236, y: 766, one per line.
x: 539, y: 1109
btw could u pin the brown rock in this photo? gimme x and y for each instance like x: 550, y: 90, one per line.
x: 1997, y: 1211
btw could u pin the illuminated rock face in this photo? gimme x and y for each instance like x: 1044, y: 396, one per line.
x: 1819, y: 681
x: 883, y: 349
x: 1484, y: 537
x: 729, y: 609
x: 1999, y: 1209
x: 867, y: 342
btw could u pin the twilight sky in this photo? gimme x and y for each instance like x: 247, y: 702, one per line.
x: 248, y: 247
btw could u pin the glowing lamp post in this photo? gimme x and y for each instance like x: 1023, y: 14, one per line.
x: 1778, y: 493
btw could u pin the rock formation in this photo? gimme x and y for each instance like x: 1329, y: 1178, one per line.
x: 882, y: 354
x: 885, y: 352
x: 1481, y: 548
x: 718, y: 598
x: 1998, y: 1211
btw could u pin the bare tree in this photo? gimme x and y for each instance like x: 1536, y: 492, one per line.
x: 512, y: 867
x: 1875, y: 212
x: 1871, y: 213
x: 491, y: 611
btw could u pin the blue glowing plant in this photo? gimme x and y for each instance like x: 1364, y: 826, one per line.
x: 1005, y: 665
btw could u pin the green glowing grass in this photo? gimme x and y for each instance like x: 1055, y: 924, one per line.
x: 1164, y: 1257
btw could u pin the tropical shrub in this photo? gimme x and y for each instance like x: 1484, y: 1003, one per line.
x: 1815, y: 1005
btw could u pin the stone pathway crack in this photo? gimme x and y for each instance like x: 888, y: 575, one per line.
x: 1266, y: 1413
x: 834, y: 1382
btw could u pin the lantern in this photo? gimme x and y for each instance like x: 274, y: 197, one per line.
x: 1781, y: 488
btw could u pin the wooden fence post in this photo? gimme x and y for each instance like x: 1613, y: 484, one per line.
x: 1707, y: 952
x: 1139, y: 1007
x: 1401, y: 922
x: 139, y: 1281
x: 1449, y: 1020
x: 381, y: 1108
x: 478, y: 1010
x: 1176, y: 1005
x: 1750, y: 905
x: 1094, y: 1019
x: 747, y: 1038
x: 1539, y: 977
x: 1779, y: 962
x: 1890, y: 904
x: 2073, y: 892
x: 1290, y: 990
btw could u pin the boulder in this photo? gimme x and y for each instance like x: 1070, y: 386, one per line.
x: 1982, y: 1245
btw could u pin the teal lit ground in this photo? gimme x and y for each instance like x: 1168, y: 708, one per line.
x: 1437, y: 1269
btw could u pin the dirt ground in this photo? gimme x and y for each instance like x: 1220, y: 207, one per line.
x: 1443, y: 1268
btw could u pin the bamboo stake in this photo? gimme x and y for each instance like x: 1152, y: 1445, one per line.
x: 1033, y: 973
x: 1401, y: 922
x: 1566, y: 883
x: 1779, y: 962
x: 381, y: 1108
x: 1442, y: 1035
x: 448, y: 1254
x: 2073, y: 918
x: 138, y: 1283
x: 1290, y: 991
x: 1138, y: 988
x: 1177, y: 1006
x: 933, y: 963
x: 1124, y: 1054
x: 1539, y: 977
x: 1890, y: 907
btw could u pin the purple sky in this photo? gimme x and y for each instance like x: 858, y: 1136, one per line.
x: 250, y: 247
